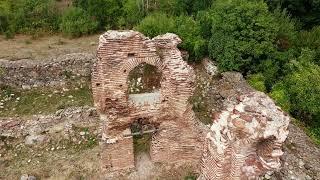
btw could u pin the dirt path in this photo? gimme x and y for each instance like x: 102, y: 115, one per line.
x: 26, y: 47
x: 145, y: 168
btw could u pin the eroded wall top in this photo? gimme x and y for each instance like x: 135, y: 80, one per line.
x: 119, y: 53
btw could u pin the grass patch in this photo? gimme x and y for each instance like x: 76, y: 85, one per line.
x: 41, y: 101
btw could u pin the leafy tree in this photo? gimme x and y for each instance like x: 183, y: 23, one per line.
x: 186, y: 27
x: 106, y: 12
x: 303, y: 86
x: 205, y: 23
x: 192, y: 7
x: 307, y: 11
x: 243, y: 34
x: 310, y: 39
x: 35, y: 15
x: 76, y: 22
x: 132, y: 13
x: 156, y: 24
x: 287, y: 29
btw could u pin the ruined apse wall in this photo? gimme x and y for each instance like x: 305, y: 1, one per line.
x: 179, y: 139
x: 245, y: 139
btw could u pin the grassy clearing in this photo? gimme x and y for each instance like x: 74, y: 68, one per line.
x: 15, y: 102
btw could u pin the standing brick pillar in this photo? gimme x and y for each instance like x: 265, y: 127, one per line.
x: 179, y: 139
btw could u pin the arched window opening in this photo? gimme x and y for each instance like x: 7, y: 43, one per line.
x: 144, y: 78
x: 144, y: 85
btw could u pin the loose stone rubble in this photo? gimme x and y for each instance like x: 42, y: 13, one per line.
x: 179, y: 137
x: 35, y: 129
x: 245, y: 140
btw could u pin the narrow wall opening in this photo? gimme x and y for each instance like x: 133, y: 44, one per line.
x: 142, y: 131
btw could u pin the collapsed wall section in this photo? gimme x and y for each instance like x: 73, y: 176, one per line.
x: 245, y: 139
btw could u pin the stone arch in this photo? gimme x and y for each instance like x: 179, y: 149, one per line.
x: 132, y: 63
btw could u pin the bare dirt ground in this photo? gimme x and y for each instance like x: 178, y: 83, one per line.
x: 26, y: 47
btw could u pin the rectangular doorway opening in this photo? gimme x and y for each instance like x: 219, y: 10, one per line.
x: 142, y: 132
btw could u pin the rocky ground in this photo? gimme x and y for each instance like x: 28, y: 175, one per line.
x: 301, y: 159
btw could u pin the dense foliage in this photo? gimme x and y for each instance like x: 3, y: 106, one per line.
x: 242, y: 37
x: 307, y: 12
x: 186, y: 27
x: 76, y: 22
x: 274, y: 43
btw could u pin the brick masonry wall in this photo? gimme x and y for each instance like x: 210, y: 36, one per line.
x: 245, y: 139
x: 179, y: 139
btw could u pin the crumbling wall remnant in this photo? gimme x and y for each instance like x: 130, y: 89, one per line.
x: 245, y: 140
x: 178, y: 138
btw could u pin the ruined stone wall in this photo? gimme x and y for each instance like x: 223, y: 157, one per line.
x: 52, y: 72
x: 180, y: 138
x: 245, y: 139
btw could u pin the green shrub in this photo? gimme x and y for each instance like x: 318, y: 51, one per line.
x: 75, y: 22
x: 186, y: 27
x: 257, y: 81
x: 106, y: 12
x: 32, y: 15
x: 310, y: 39
x: 303, y: 87
x: 190, y: 32
x: 243, y: 34
x: 4, y: 17
x: 156, y: 24
x: 281, y: 96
